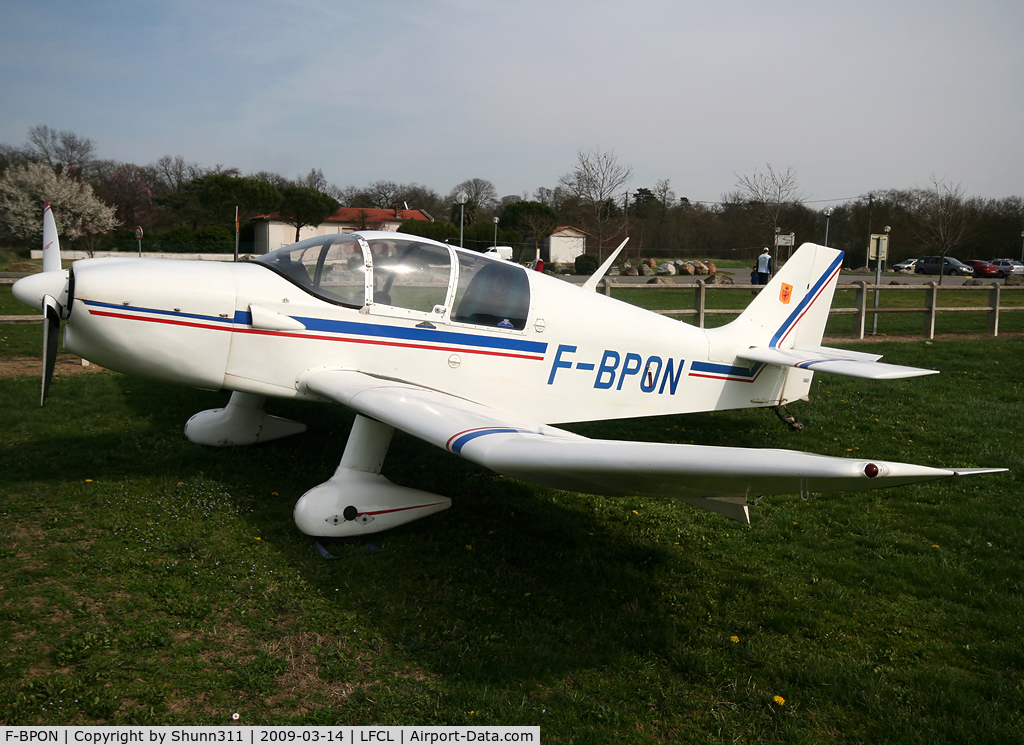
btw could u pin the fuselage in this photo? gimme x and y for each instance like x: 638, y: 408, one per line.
x: 409, y: 309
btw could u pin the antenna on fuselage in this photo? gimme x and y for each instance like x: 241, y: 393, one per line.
x: 591, y: 284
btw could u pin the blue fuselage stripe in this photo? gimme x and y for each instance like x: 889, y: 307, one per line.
x: 352, y: 328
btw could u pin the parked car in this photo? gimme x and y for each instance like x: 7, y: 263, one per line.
x: 983, y: 268
x: 906, y: 265
x: 1007, y: 266
x: 932, y: 265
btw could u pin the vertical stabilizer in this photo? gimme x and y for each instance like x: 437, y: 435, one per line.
x: 793, y: 307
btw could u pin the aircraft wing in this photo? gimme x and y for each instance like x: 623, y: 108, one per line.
x: 717, y: 478
x: 838, y: 361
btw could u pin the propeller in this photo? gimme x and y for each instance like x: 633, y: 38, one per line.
x: 45, y: 291
x: 51, y: 335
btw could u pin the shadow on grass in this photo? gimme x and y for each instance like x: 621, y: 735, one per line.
x: 511, y: 583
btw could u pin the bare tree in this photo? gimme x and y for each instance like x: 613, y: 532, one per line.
x: 596, y: 181
x: 382, y: 194
x: 771, y: 192
x: 60, y: 150
x: 481, y: 191
x: 175, y: 172
x: 943, y: 217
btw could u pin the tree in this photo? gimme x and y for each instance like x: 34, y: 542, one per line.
x: 595, y: 182
x: 942, y: 216
x: 302, y: 206
x: 532, y: 219
x: 128, y: 188
x: 175, y: 173
x: 771, y: 192
x: 480, y: 191
x: 212, y: 199
x: 389, y: 194
x: 62, y: 151
x: 76, y: 209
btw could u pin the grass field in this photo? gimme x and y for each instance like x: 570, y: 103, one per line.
x: 148, y: 580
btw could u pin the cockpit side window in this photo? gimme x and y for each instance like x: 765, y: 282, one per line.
x: 410, y: 275
x: 491, y: 293
x: 331, y: 267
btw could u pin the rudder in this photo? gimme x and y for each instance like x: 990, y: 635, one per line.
x: 793, y: 307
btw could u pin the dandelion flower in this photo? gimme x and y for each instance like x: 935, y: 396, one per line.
x: 734, y: 639
x: 779, y: 700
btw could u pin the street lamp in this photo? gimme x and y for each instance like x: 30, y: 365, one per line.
x: 828, y: 214
x: 495, y: 232
x: 1022, y: 245
x: 462, y: 197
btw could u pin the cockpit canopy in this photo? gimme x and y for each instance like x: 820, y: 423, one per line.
x: 410, y: 277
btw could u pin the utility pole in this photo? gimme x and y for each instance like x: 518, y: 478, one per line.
x: 871, y: 200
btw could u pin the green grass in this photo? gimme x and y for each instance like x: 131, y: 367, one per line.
x: 149, y: 580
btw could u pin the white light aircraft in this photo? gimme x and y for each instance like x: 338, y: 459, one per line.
x: 473, y: 354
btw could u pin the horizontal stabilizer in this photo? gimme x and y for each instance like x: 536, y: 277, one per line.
x: 838, y: 361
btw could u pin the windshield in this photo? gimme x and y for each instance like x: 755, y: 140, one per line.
x: 331, y: 267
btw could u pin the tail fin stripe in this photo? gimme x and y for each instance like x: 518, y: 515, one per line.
x: 808, y: 300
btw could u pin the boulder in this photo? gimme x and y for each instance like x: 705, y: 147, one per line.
x: 719, y: 279
x: 687, y: 268
x: 667, y: 269
x: 632, y: 272
x: 646, y: 270
x: 660, y: 281
x: 1014, y: 280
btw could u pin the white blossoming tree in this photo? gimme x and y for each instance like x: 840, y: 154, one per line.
x: 24, y: 190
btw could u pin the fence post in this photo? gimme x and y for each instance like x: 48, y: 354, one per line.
x: 862, y: 307
x: 993, y: 313
x: 608, y: 286
x: 931, y: 302
x: 699, y: 300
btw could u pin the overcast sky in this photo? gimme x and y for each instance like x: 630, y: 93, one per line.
x: 853, y: 96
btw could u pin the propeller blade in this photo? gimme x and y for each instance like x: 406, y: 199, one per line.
x: 51, y: 335
x: 51, y: 244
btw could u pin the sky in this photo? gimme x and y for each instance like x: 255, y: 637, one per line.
x: 852, y: 96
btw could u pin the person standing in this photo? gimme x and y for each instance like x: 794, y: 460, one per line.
x: 764, y: 267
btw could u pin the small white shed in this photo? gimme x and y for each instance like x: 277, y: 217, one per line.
x: 565, y: 244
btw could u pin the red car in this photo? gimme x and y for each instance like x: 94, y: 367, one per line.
x: 982, y: 268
